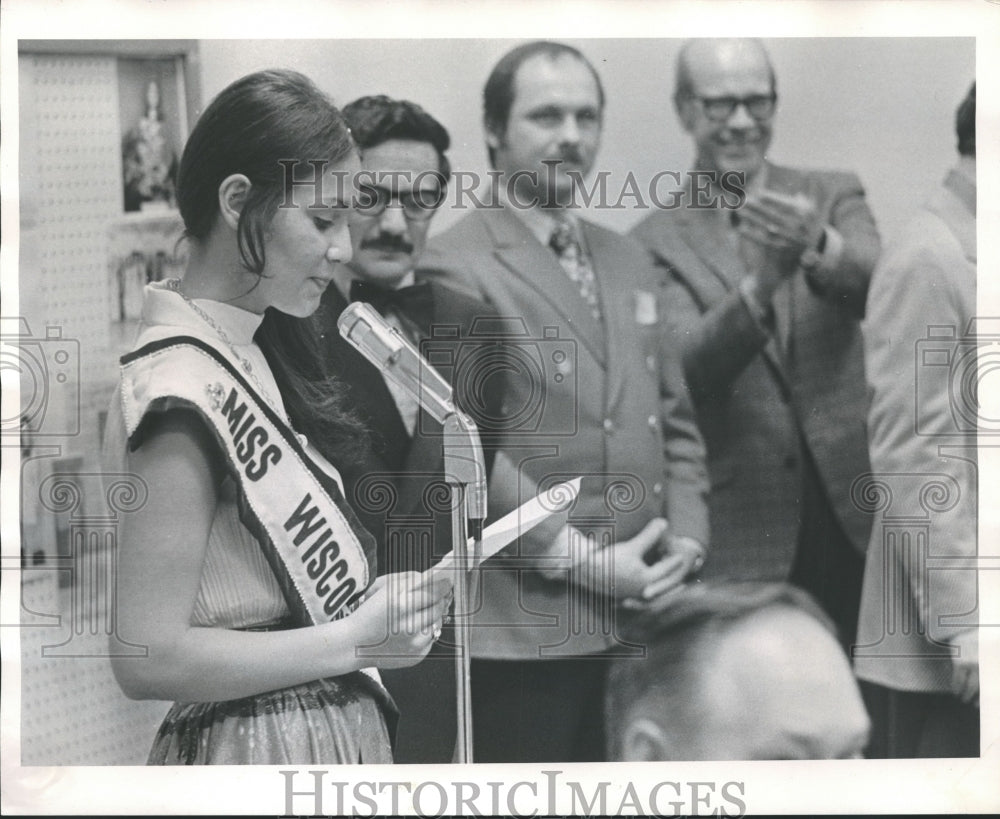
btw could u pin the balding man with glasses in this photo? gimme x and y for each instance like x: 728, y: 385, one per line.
x: 767, y: 293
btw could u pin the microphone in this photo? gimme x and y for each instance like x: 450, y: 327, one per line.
x: 394, y: 356
x: 385, y: 347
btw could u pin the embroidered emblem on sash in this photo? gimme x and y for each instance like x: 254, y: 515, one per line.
x: 216, y: 395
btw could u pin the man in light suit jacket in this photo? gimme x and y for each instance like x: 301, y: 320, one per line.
x: 592, y: 391
x: 404, y: 176
x: 917, y: 638
x: 767, y: 295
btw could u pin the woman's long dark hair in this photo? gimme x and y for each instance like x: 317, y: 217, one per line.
x: 255, y: 122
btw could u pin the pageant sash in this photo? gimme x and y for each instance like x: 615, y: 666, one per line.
x: 293, y: 508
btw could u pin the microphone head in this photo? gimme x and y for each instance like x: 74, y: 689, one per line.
x: 385, y: 347
x: 365, y: 330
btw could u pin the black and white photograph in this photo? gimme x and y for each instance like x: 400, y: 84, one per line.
x: 576, y: 408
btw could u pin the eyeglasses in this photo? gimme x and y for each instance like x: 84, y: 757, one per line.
x: 418, y: 205
x: 719, y: 109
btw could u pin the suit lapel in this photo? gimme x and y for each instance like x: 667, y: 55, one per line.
x: 369, y: 396
x: 793, y: 289
x: 706, y: 238
x: 424, y: 456
x: 426, y: 452
x: 520, y: 252
x: 704, y: 233
x: 616, y: 306
x: 958, y: 209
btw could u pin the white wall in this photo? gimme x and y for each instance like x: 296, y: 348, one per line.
x: 883, y: 107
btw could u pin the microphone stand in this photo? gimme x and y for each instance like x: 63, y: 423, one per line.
x: 464, y: 469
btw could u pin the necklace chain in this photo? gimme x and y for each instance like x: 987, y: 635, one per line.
x: 175, y: 285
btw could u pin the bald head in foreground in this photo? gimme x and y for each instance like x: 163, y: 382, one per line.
x: 736, y: 671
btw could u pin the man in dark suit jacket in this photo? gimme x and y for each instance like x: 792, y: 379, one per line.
x: 766, y: 296
x: 593, y: 391
x: 398, y: 490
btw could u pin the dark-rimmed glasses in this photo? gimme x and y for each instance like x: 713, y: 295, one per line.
x: 720, y: 109
x: 418, y: 205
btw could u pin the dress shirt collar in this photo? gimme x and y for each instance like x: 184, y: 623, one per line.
x: 542, y: 221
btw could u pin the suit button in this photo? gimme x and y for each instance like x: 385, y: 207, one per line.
x: 609, y: 426
x: 791, y: 462
x: 657, y: 488
x: 653, y: 422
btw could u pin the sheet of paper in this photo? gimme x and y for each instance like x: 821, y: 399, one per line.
x: 556, y: 498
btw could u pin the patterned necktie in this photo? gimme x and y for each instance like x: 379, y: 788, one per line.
x: 576, y: 263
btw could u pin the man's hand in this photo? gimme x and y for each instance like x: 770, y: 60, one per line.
x: 776, y: 229
x: 965, y: 667
x: 682, y: 557
x: 631, y: 575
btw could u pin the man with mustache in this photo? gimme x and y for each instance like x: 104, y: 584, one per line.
x: 403, y: 181
x: 596, y: 394
x: 767, y: 299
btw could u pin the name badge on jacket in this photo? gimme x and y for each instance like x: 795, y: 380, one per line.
x: 645, y: 308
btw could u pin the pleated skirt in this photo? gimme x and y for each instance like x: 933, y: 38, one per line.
x: 346, y: 719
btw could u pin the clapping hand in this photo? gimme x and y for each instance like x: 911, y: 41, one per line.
x: 776, y: 230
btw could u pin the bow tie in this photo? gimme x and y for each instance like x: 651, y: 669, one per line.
x: 415, y: 302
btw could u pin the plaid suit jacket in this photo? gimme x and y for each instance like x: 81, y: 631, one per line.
x: 762, y: 394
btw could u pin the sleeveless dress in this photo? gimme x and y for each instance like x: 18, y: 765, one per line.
x: 344, y: 719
